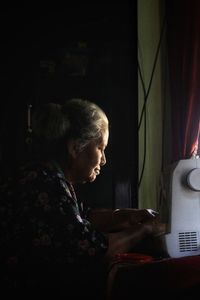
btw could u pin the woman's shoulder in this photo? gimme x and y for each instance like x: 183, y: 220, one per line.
x: 41, y: 168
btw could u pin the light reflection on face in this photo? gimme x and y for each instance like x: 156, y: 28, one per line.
x: 88, y: 162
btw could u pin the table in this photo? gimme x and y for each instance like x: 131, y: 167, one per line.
x: 154, y: 277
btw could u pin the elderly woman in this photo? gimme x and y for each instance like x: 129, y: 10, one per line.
x: 45, y: 234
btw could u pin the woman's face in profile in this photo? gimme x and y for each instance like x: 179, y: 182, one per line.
x: 87, y: 164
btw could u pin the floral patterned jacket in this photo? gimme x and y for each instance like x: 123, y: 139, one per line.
x: 41, y: 221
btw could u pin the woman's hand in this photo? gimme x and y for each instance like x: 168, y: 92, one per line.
x: 134, y: 237
x: 134, y: 216
x: 126, y: 228
x: 107, y: 220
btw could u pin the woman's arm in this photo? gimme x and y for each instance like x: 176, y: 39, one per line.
x: 108, y: 220
x: 133, y: 237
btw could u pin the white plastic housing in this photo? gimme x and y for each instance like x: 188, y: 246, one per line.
x: 183, y: 204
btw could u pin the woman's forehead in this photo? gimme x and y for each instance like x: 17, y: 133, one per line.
x: 104, y: 137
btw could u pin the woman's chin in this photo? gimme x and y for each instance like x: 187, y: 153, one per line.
x: 92, y: 178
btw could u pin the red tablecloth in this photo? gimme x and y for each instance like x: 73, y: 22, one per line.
x: 158, y: 278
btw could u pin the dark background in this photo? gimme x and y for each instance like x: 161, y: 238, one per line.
x: 86, y: 50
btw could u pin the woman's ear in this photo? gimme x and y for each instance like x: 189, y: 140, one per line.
x: 72, y: 148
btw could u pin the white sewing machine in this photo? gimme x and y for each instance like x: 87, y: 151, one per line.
x: 180, y: 208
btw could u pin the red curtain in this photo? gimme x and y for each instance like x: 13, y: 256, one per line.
x: 183, y: 40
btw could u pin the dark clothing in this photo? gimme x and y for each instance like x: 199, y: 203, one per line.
x: 44, y: 234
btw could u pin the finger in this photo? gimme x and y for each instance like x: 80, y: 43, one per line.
x: 152, y: 212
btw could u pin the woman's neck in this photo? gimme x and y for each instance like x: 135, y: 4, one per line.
x: 64, y: 167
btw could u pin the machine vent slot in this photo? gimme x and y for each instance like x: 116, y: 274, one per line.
x: 188, y: 241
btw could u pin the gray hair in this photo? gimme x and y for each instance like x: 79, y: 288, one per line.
x: 77, y: 119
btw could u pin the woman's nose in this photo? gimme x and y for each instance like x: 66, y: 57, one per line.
x: 103, y: 159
